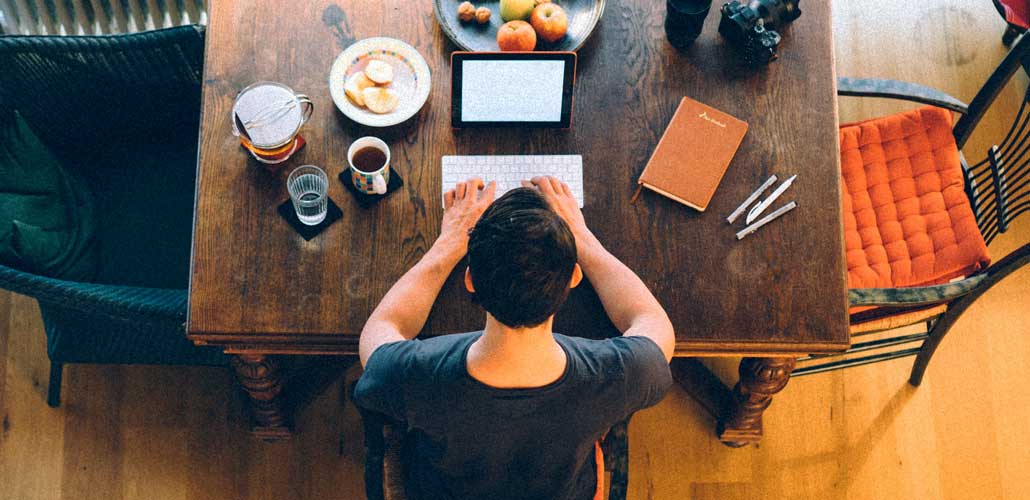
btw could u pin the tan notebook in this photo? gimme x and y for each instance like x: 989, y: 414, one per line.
x: 693, y: 154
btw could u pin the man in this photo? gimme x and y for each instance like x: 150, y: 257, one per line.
x: 513, y: 411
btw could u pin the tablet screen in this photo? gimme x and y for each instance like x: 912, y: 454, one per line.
x: 512, y: 89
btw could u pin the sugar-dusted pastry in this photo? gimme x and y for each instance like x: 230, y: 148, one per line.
x: 355, y: 85
x: 379, y: 72
x: 380, y: 100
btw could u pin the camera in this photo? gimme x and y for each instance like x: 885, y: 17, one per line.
x: 750, y: 27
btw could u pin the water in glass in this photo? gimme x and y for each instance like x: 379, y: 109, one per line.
x: 309, y: 187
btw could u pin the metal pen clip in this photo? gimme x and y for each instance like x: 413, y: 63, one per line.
x: 755, y: 212
x: 751, y: 199
x: 767, y: 219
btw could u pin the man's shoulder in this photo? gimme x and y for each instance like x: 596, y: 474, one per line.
x: 613, y: 357
x: 608, y: 347
x: 422, y: 355
x: 634, y: 367
x: 402, y: 375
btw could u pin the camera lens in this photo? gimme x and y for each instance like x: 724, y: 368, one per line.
x: 684, y: 20
x: 698, y: 8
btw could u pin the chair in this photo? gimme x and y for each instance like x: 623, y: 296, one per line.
x: 383, y: 467
x: 926, y: 266
x: 1016, y: 14
x: 122, y: 114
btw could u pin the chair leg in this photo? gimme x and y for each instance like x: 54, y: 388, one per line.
x: 1009, y: 36
x: 53, y: 394
x: 375, y: 450
x: 937, y: 332
x: 616, y: 457
x: 996, y: 273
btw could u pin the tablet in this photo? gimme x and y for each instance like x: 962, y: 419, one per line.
x: 512, y: 89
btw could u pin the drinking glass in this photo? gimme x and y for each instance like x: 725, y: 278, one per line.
x: 309, y: 190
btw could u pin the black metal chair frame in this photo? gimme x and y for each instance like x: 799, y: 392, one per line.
x: 1011, y: 30
x: 998, y: 187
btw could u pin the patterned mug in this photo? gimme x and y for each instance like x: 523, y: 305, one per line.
x: 375, y: 180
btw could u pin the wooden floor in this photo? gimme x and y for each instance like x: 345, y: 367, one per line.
x: 168, y: 433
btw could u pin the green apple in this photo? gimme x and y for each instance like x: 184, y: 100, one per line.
x: 512, y: 10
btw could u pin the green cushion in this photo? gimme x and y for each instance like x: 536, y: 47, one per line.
x: 143, y: 193
x: 46, y: 216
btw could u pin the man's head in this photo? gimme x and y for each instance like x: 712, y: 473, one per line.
x: 522, y: 259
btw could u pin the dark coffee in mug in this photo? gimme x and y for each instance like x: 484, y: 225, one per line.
x: 369, y: 159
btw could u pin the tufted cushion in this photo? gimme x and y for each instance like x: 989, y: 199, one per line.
x: 907, y: 220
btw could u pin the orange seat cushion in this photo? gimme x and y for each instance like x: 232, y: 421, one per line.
x: 907, y: 220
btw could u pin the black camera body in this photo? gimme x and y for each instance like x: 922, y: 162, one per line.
x: 750, y: 27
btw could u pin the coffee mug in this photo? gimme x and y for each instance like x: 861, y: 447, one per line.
x: 375, y: 180
x: 267, y: 117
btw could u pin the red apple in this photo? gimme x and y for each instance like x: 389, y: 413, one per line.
x: 549, y: 21
x: 516, y: 36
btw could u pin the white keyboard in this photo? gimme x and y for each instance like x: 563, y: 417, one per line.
x: 509, y: 171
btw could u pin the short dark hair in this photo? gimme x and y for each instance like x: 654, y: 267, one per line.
x: 521, y: 256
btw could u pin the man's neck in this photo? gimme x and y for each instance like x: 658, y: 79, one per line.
x: 507, y: 357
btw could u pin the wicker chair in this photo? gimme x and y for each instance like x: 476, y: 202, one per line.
x: 384, y: 479
x: 122, y: 113
x: 997, y: 190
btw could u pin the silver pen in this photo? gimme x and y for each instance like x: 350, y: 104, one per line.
x: 751, y: 199
x: 755, y: 212
x: 767, y: 219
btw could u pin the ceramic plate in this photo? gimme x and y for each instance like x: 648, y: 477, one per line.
x: 583, y: 17
x: 411, y: 81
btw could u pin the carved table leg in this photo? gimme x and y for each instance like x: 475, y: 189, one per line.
x: 260, y: 377
x: 760, y: 379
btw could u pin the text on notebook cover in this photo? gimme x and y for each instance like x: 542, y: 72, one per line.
x: 710, y: 119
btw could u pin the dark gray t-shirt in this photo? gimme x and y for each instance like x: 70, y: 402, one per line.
x: 468, y: 440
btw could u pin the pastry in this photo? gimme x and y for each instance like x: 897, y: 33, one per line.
x: 355, y: 85
x: 380, y: 100
x: 379, y: 72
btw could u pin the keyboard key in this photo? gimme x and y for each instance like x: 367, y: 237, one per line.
x: 510, y: 170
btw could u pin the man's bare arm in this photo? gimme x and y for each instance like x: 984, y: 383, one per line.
x: 626, y: 299
x: 403, y: 311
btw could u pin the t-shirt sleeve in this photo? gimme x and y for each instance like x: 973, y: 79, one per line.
x: 647, y: 373
x: 381, y: 387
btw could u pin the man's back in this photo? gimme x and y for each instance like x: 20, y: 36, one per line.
x: 468, y: 440
x: 525, y: 253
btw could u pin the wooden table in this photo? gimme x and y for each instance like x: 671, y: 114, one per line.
x: 258, y: 289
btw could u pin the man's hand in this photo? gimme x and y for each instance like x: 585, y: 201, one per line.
x: 628, y: 302
x: 463, y: 206
x: 404, y: 309
x: 559, y: 197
